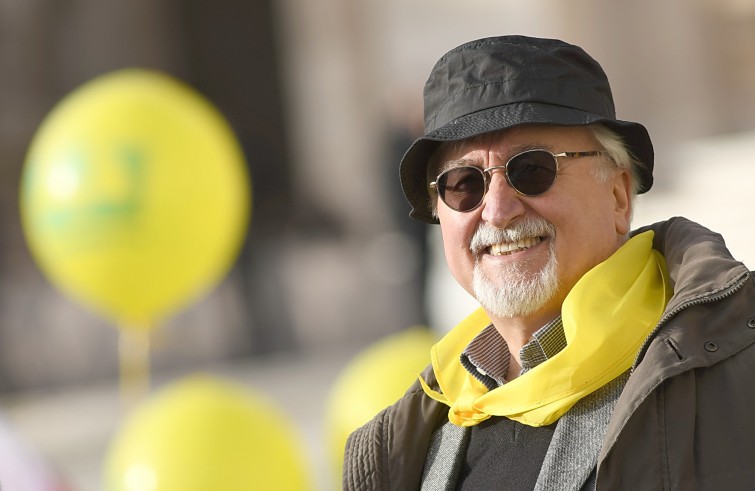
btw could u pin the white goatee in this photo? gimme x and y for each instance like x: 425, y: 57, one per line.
x: 513, y: 289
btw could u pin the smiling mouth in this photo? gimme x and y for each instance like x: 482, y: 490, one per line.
x: 508, y: 248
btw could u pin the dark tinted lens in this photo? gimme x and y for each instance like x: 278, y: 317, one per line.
x: 462, y: 188
x: 532, y: 172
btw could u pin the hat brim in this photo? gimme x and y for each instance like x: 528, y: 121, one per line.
x: 413, y: 167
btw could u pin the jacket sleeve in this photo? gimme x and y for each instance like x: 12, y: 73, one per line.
x: 388, y: 453
x: 362, y: 466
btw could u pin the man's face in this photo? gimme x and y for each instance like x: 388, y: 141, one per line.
x: 561, y: 234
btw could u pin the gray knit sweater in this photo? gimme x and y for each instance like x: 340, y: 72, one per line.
x: 571, y: 457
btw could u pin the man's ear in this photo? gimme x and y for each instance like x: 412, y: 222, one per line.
x: 622, y: 193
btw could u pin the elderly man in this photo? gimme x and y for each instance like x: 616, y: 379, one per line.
x: 600, y: 357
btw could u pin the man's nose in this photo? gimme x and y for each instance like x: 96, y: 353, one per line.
x: 502, y: 203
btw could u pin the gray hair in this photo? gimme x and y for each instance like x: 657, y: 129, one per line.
x: 618, y: 153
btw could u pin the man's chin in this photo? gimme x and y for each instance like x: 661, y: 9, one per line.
x: 522, y: 297
x: 506, y: 305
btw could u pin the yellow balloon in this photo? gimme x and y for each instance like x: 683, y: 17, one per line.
x: 371, y: 381
x: 135, y: 196
x: 203, y: 433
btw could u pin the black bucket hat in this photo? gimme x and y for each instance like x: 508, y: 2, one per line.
x: 497, y: 83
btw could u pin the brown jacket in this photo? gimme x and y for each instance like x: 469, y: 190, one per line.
x: 686, y: 417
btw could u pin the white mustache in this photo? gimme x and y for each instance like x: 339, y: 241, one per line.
x: 486, y: 235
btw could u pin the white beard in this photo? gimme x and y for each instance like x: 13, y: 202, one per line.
x: 513, y: 291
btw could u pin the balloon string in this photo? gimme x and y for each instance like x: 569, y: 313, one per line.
x: 134, y: 357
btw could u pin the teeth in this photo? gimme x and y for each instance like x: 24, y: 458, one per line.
x: 510, y: 247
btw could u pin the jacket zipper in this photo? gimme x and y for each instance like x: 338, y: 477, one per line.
x: 738, y: 283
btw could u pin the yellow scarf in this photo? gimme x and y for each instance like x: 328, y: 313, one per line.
x: 607, y: 316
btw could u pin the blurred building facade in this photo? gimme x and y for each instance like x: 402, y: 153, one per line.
x: 323, y: 96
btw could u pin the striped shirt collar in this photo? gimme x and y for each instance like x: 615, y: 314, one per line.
x: 487, y: 356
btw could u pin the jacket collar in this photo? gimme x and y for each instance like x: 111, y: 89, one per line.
x: 698, y: 262
x: 701, y: 268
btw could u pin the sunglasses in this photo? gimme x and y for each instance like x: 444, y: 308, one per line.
x: 531, y: 173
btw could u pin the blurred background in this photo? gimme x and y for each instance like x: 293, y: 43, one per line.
x: 324, y: 97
